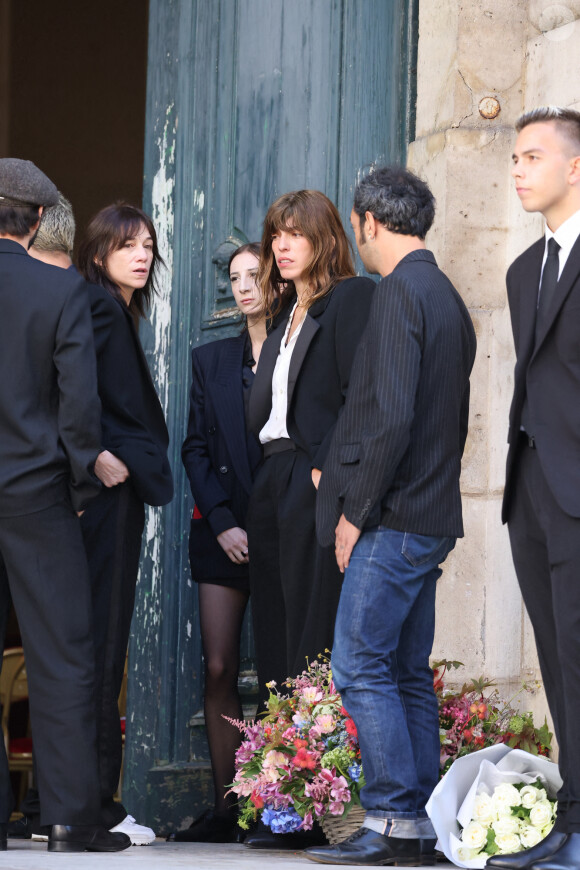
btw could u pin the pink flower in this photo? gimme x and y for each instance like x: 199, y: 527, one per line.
x: 336, y: 808
x: 325, y: 723
x: 339, y: 789
x: 308, y: 822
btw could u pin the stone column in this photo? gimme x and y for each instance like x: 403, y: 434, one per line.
x: 480, y: 64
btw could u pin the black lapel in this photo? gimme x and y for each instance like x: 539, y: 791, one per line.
x: 228, y: 403
x: 565, y: 283
x: 309, y: 329
x: 529, y: 284
x: 261, y: 395
x: 138, y: 345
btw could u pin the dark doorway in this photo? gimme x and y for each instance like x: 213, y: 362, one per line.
x: 72, y: 95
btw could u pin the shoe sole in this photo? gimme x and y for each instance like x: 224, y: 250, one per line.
x: 74, y: 847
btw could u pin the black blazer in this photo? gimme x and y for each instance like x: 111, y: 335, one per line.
x: 396, y: 453
x: 133, y: 425
x: 220, y: 458
x: 49, y: 409
x: 319, y: 369
x: 549, y: 372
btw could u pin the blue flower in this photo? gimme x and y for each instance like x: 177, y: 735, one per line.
x: 354, y: 771
x: 282, y: 821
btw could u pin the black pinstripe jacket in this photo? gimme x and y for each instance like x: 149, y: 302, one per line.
x: 395, y: 457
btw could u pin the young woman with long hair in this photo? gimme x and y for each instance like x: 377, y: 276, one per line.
x: 220, y: 458
x: 306, y: 271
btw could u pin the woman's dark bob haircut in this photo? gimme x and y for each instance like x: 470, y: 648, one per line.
x: 107, y: 232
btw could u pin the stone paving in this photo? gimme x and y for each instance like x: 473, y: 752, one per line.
x: 26, y: 855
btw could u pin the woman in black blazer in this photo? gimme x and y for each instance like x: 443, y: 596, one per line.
x: 220, y: 459
x: 298, y: 394
x: 119, y: 257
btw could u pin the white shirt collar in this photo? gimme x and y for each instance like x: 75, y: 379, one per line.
x: 566, y: 236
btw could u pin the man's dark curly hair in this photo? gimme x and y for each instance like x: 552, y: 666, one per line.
x: 397, y: 199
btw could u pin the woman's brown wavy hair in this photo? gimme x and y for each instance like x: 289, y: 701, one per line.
x: 314, y: 215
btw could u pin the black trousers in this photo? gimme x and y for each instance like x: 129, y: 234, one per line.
x: 294, y: 582
x: 112, y: 529
x: 43, y: 567
x: 545, y: 544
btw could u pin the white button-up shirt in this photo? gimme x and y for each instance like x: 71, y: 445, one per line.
x: 276, y: 426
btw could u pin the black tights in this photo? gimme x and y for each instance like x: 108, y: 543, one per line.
x: 221, y: 610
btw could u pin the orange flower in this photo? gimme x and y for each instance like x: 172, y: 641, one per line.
x: 257, y: 800
x: 304, y: 759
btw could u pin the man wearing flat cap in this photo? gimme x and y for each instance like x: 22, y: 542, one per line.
x: 49, y: 440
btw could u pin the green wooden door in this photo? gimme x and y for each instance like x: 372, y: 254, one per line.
x: 247, y: 99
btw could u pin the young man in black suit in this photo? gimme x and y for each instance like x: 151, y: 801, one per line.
x: 389, y: 498
x: 49, y: 441
x: 542, y: 494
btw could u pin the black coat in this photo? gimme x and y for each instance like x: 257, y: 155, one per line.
x: 49, y: 410
x: 396, y: 453
x: 320, y: 367
x: 549, y: 371
x: 220, y: 458
x: 133, y: 425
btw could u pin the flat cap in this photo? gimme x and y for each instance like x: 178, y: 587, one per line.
x: 22, y: 183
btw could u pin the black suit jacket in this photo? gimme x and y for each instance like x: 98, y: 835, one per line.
x: 220, y: 458
x: 133, y: 425
x: 396, y: 452
x: 320, y: 367
x: 549, y: 372
x: 49, y: 409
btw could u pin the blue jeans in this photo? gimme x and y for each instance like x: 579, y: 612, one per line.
x: 380, y: 663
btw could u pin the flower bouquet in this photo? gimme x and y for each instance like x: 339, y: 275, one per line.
x: 494, y: 801
x: 470, y: 720
x: 301, y: 762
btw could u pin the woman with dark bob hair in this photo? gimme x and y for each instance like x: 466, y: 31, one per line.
x: 220, y: 457
x: 119, y: 258
x: 306, y: 267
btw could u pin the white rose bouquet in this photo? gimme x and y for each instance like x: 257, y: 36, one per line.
x: 515, y: 817
x: 494, y: 801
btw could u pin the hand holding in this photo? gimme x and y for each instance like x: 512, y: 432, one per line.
x: 234, y: 542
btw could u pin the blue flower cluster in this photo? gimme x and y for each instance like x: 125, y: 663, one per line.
x: 282, y: 821
x: 339, y: 737
x: 355, y: 771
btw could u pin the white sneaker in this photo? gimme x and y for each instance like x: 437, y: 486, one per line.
x: 139, y: 834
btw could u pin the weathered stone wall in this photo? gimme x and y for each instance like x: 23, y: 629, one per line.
x: 486, y: 55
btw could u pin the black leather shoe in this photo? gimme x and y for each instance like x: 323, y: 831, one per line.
x: 525, y: 859
x: 3, y: 837
x: 368, y: 848
x: 208, y: 828
x: 86, y: 838
x: 428, y: 853
x: 20, y: 829
x: 27, y: 827
x: 264, y: 838
x: 567, y: 857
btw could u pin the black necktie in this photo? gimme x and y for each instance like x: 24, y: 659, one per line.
x: 547, y: 288
x: 549, y: 281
